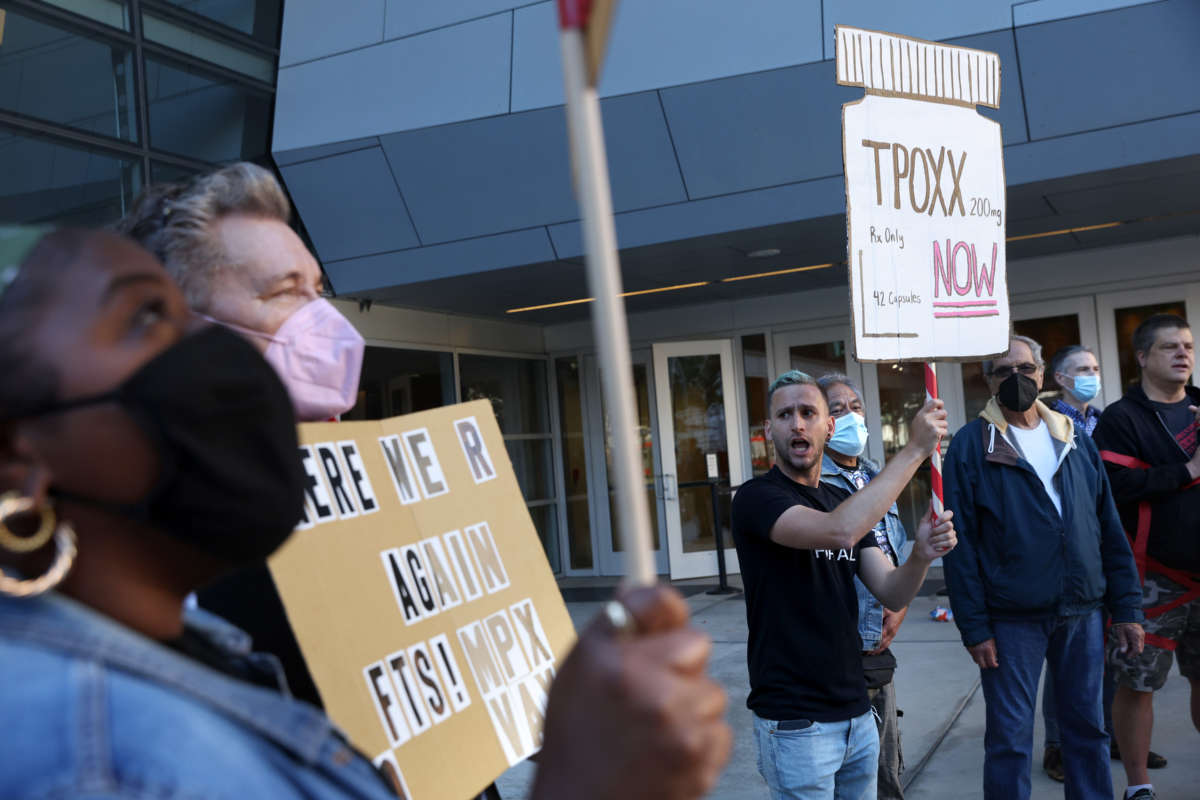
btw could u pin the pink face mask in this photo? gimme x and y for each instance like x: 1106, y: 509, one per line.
x: 318, y: 355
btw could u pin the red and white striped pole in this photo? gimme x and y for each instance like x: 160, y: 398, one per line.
x: 935, y: 460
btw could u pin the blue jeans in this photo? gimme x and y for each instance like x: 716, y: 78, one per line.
x: 826, y: 760
x: 1074, y: 648
x: 1050, y: 706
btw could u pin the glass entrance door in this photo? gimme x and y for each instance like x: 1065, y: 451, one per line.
x: 610, y: 548
x: 699, y: 424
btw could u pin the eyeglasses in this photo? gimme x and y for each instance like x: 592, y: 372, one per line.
x: 1024, y: 369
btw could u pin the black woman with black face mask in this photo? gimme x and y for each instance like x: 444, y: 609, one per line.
x: 144, y: 453
x: 1041, y: 551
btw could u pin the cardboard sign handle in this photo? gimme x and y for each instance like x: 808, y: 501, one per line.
x: 935, y: 460
x: 609, y: 324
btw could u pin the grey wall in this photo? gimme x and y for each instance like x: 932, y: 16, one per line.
x: 424, y: 141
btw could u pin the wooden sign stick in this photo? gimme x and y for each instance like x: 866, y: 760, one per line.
x: 609, y: 324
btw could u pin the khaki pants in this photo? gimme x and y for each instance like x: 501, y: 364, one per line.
x: 891, y: 759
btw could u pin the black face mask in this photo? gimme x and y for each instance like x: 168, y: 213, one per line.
x: 1017, y: 392
x: 230, y: 478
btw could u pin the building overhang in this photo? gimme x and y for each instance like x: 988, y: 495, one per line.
x: 1101, y: 120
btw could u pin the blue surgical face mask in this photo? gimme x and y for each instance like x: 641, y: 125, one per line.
x: 1086, y: 387
x: 849, y: 435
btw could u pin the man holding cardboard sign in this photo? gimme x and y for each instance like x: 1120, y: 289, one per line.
x: 801, y: 542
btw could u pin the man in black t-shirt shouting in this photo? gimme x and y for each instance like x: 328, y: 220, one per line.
x: 800, y: 543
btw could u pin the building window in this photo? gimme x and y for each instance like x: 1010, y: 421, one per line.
x: 99, y: 96
x: 55, y: 73
x: 396, y: 382
x: 645, y: 440
x: 754, y: 367
x: 258, y: 19
x: 237, y: 118
x: 575, y: 463
x: 46, y: 179
x: 518, y: 391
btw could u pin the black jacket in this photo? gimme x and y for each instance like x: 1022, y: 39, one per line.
x: 1132, y: 427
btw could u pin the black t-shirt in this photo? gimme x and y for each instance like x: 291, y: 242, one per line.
x: 804, y: 650
x: 1181, y: 422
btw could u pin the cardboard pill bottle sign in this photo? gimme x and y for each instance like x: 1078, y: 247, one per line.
x: 925, y: 197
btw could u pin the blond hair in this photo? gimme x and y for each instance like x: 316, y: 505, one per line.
x: 176, y: 222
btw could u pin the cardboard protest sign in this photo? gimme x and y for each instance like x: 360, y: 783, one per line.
x: 421, y: 596
x: 925, y: 199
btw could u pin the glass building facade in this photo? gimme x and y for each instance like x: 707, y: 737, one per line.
x: 100, y: 97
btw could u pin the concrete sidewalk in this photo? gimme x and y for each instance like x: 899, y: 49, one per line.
x: 942, y: 728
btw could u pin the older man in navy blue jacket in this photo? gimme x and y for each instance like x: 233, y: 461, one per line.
x: 1041, y: 549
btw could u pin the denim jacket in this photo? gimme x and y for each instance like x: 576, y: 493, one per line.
x: 870, y: 610
x: 90, y: 708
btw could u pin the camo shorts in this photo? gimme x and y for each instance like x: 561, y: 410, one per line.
x: 1148, y: 671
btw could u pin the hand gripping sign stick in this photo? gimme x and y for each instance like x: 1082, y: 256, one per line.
x: 584, y: 29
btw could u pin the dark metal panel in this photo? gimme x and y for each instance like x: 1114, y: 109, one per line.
x: 511, y: 172
x: 1113, y: 68
x: 1011, y: 114
x: 457, y: 259
x: 759, y: 130
x: 733, y: 212
x: 350, y: 205
x: 316, y: 28
x: 1109, y: 148
x: 286, y: 157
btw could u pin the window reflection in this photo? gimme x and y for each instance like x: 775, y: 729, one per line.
x: 68, y: 78
x: 396, y: 382
x: 43, y: 180
x: 186, y: 39
x: 698, y: 414
x: 256, y: 18
x: 575, y: 467
x: 645, y: 439
x: 516, y: 388
x: 754, y: 366
x: 236, y: 119
x: 818, y: 359
x: 518, y: 392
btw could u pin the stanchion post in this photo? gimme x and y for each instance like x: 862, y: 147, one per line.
x: 718, y: 537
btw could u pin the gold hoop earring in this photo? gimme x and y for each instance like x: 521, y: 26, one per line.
x: 64, y: 557
x: 11, y: 504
